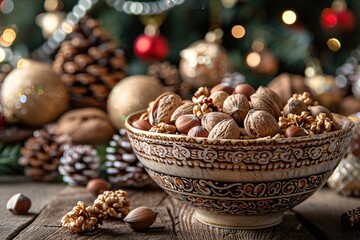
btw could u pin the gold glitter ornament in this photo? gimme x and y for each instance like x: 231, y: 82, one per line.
x: 203, y: 63
x: 33, y: 95
x: 132, y: 94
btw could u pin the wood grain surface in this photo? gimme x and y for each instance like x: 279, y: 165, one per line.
x: 317, y: 218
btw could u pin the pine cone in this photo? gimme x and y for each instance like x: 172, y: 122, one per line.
x: 351, y: 219
x: 41, y: 154
x: 112, y: 204
x: 122, y: 166
x: 89, y: 64
x: 79, y: 164
x: 167, y: 74
x: 80, y: 219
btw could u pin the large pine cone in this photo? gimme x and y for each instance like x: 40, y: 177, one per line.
x: 79, y: 164
x: 122, y: 166
x: 168, y: 75
x: 41, y: 154
x: 90, y: 64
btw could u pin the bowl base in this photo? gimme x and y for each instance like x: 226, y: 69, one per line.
x: 238, y: 221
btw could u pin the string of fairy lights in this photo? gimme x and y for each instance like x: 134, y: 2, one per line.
x: 56, y: 25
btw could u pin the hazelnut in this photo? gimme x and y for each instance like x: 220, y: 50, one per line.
x: 185, y: 122
x: 316, y: 110
x: 294, y: 106
x: 222, y: 87
x: 294, y: 131
x: 141, y: 124
x: 237, y: 106
x: 19, y: 204
x: 198, y: 131
x: 97, y: 186
x: 245, y: 89
x: 140, y: 218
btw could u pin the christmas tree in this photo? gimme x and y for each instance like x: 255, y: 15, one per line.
x: 286, y: 34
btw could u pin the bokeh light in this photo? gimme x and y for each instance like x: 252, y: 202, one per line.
x: 238, y: 31
x: 334, y: 44
x: 253, y: 59
x: 289, y: 17
x: 2, y: 55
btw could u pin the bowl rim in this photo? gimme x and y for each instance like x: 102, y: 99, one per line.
x: 347, y: 126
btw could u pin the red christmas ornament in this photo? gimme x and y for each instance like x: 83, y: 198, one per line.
x: 151, y: 47
x: 328, y: 18
x: 346, y: 20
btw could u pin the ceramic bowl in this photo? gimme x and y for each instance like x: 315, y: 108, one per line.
x: 240, y: 184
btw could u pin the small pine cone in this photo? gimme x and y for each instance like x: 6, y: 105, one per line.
x: 122, y: 166
x: 79, y: 164
x: 89, y: 64
x: 205, y: 106
x: 163, y: 128
x: 351, y: 219
x: 200, y: 94
x: 112, y: 204
x: 167, y: 74
x: 41, y: 154
x: 79, y: 219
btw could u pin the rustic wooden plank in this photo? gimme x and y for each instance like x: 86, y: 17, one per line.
x: 39, y: 193
x: 324, y: 209
x: 175, y: 221
x: 47, y: 225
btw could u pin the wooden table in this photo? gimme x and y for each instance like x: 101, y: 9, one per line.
x: 316, y: 218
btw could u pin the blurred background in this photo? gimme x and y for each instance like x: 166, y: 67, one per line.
x: 288, y: 34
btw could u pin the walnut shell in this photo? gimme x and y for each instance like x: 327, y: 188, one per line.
x: 260, y: 101
x: 218, y: 98
x: 271, y: 94
x: 209, y: 120
x: 225, y: 129
x: 186, y: 108
x: 163, y: 107
x: 294, y: 106
x: 259, y: 123
x: 237, y: 106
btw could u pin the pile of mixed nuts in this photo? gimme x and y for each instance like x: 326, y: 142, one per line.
x: 240, y: 113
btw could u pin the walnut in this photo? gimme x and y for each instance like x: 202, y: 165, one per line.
x: 304, y: 121
x: 272, y: 95
x: 305, y: 97
x: 237, y: 106
x: 225, y: 129
x: 163, y: 107
x: 259, y: 123
x: 209, y: 120
x: 261, y: 101
x: 205, y: 106
x: 200, y: 94
x: 163, y: 128
x: 113, y: 204
x: 218, y: 98
x: 322, y: 124
x: 79, y: 219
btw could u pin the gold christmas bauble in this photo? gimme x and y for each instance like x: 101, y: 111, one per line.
x: 33, y: 95
x: 203, y: 64
x: 131, y: 94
